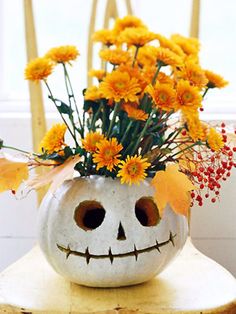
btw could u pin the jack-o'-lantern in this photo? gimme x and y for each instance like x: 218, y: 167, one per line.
x: 97, y: 232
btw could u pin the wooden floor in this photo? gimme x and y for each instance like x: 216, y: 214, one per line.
x: 191, y: 284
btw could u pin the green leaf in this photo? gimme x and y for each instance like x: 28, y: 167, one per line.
x: 79, y: 151
x: 89, y: 104
x: 64, y: 109
x: 157, y: 139
x: 166, y: 151
x: 68, y: 152
x: 53, y: 156
x: 80, y: 168
x: 1, y: 143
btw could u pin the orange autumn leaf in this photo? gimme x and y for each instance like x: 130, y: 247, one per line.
x: 55, y: 176
x: 172, y: 187
x: 12, y: 174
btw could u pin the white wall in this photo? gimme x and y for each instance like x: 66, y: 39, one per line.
x: 213, y: 226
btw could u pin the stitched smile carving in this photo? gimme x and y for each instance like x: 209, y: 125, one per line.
x: 87, y: 255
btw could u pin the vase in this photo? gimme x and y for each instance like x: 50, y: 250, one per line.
x: 98, y: 232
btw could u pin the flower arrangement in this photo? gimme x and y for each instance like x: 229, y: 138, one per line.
x: 140, y: 120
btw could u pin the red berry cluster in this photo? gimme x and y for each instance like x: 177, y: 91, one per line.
x: 212, y: 170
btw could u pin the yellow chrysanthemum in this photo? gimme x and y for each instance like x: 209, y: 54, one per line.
x: 215, y: 80
x: 190, y: 46
x: 149, y: 72
x: 193, y: 73
x: 89, y: 143
x: 146, y: 56
x: 134, y: 71
x: 38, y: 69
x: 167, y: 57
x: 167, y: 43
x: 136, y: 36
x: 63, y: 54
x: 134, y: 113
x: 107, y: 154
x: 115, y: 56
x: 120, y: 86
x: 133, y: 169
x: 188, y: 97
x: 92, y: 93
x: 127, y: 22
x: 105, y: 36
x: 196, y: 129
x: 53, y: 141
x: 163, y: 96
x: 99, y: 74
x: 215, y: 140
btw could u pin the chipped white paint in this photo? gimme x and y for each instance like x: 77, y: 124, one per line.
x: 102, y: 257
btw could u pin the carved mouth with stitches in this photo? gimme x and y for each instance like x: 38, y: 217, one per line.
x: 87, y: 255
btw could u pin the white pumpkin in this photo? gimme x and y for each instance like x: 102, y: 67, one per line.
x: 96, y: 232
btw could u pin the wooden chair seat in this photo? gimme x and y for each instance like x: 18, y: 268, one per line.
x: 193, y: 283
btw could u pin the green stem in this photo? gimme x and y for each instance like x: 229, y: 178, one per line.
x: 19, y: 150
x: 133, y: 136
x: 126, y: 131
x: 178, y: 132
x: 160, y: 122
x: 53, y: 100
x: 186, y: 148
x: 204, y: 94
x: 159, y: 65
x: 73, y: 96
x: 113, y: 118
x: 94, y: 119
x: 69, y: 98
x: 89, y: 163
x: 135, y: 55
x: 143, y: 131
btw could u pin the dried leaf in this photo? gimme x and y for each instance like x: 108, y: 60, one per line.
x: 12, y: 174
x: 172, y: 187
x: 55, y: 176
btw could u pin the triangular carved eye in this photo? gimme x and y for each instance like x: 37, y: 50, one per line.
x: 89, y: 215
x: 147, y: 212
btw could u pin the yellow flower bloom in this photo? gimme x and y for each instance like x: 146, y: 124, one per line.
x: 127, y: 22
x: 134, y: 113
x: 120, y: 86
x: 92, y: 93
x: 162, y: 78
x: 188, y: 97
x: 193, y: 73
x: 215, y: 140
x: 215, y: 80
x: 149, y: 72
x: 107, y: 154
x: 115, y: 56
x: 89, y: 143
x: 167, y: 57
x: 133, y: 169
x: 99, y: 74
x: 53, y: 141
x: 163, y: 96
x: 190, y: 46
x: 134, y: 71
x: 167, y: 43
x: 62, y: 54
x: 105, y: 36
x: 38, y: 69
x: 196, y: 129
x: 136, y: 36
x: 146, y: 56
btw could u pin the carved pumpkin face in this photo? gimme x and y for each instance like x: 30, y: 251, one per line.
x: 97, y: 232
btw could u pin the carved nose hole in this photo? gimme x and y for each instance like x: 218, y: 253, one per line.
x: 121, y: 233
